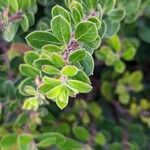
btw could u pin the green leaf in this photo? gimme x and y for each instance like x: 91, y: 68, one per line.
x: 13, y: 5
x: 94, y: 44
x: 50, y: 70
x: 88, y: 64
x: 124, y: 98
x: 61, y: 28
x: 69, y: 70
x: 144, y: 33
x: 108, y: 5
x: 81, y: 133
x: 30, y: 57
x: 54, y: 92
x: 77, y: 5
x: 25, y: 82
x: 10, y: 31
x: 81, y: 76
x: 44, y: 88
x: 58, y: 10
x: 62, y: 99
x: 100, y: 139
x: 43, y: 26
x: 131, y: 18
x: 80, y: 86
x: 119, y: 66
x: 95, y: 110
x: 59, y: 137
x: 129, y: 53
x: 137, y: 134
x: 49, y: 83
x: 4, y: 3
x: 115, y: 43
x: 8, y: 89
x: 52, y: 81
x: 21, y: 120
x: 112, y: 28
x: 70, y: 143
x: 111, y: 57
x: 30, y: 90
x: 76, y: 15
x: 106, y: 90
x: 117, y: 15
x: 96, y: 21
x: 25, y: 138
x: 38, y: 39
x: 51, y: 48
x: 24, y: 4
x: 34, y: 7
x: 30, y: 103
x: 28, y: 70
x: 31, y: 18
x: 116, y: 146
x: 77, y: 56
x: 47, y: 142
x: 57, y: 60
x: 131, y: 7
x: 9, y: 141
x: 24, y: 23
x: 90, y: 4
x: 102, y: 30
x: 39, y: 63
x: 83, y: 32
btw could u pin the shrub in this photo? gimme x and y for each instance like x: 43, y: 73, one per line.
x: 74, y: 74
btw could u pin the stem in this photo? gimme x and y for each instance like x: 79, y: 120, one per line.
x: 73, y: 45
x: 6, y: 19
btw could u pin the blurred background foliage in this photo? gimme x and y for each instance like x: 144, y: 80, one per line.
x: 114, y: 116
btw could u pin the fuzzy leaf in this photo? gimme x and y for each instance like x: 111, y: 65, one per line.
x: 81, y: 76
x: 24, y: 23
x: 54, y: 92
x: 38, y: 39
x: 119, y: 66
x: 50, y: 70
x: 129, y: 53
x: 69, y: 70
x: 102, y: 30
x: 76, y: 15
x: 131, y: 7
x: 30, y: 103
x: 63, y: 98
x: 24, y: 4
x: 80, y: 86
x: 13, y: 5
x: 41, y: 62
x: 77, y: 55
x: 10, y: 31
x: 84, y: 30
x: 8, y: 141
x: 112, y: 28
x: 25, y: 139
x: 30, y: 57
x: 28, y: 70
x: 117, y: 15
x: 115, y: 43
x: 61, y: 28
x: 58, y: 10
x: 96, y: 21
x: 47, y: 142
x: 81, y: 133
x: 57, y: 60
x: 88, y: 64
x: 51, y: 48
